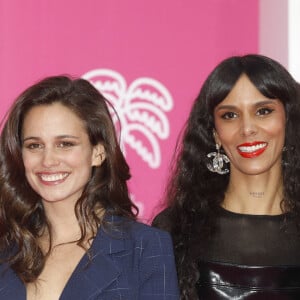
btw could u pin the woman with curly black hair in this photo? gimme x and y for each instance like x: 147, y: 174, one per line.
x: 68, y: 228
x: 234, y: 193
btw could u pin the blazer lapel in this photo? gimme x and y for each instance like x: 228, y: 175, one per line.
x: 92, y: 276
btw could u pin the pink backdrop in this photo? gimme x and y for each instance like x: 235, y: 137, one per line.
x: 148, y: 57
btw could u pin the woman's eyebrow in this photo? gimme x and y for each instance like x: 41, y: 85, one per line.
x: 63, y: 136
x: 256, y: 104
x: 225, y: 106
x: 265, y: 102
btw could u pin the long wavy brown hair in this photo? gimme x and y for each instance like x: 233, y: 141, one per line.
x: 22, y: 216
x: 193, y: 192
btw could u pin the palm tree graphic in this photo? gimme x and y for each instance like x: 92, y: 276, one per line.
x: 142, y: 109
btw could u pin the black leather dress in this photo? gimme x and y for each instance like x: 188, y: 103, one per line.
x: 251, y: 257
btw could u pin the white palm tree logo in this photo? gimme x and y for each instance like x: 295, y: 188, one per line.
x: 141, y: 108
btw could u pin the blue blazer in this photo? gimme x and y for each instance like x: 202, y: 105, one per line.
x: 132, y: 262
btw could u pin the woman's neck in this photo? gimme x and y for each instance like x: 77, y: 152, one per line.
x: 63, y: 222
x: 64, y: 225
x: 254, y: 194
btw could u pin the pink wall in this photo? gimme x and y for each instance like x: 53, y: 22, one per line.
x: 273, y: 29
x: 151, y: 58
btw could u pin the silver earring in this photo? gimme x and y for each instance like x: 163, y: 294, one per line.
x: 218, y: 161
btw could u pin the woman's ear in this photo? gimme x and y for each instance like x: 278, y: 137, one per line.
x: 98, y: 155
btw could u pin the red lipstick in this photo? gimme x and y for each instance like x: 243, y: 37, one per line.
x: 251, y: 150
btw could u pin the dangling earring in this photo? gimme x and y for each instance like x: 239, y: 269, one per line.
x: 218, y: 161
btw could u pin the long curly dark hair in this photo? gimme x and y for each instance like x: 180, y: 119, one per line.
x: 193, y: 192
x: 22, y: 216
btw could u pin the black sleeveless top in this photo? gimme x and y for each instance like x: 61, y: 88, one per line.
x: 250, y: 257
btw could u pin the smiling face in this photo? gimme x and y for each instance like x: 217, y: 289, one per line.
x: 251, y: 129
x: 57, y: 154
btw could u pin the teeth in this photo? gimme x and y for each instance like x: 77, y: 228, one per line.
x: 54, y: 177
x: 252, y: 148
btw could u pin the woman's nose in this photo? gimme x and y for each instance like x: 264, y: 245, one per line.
x: 248, y: 126
x: 50, y: 158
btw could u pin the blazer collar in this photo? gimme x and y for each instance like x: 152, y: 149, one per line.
x: 92, y: 277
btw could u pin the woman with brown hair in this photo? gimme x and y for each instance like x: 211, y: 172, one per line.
x: 67, y: 224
